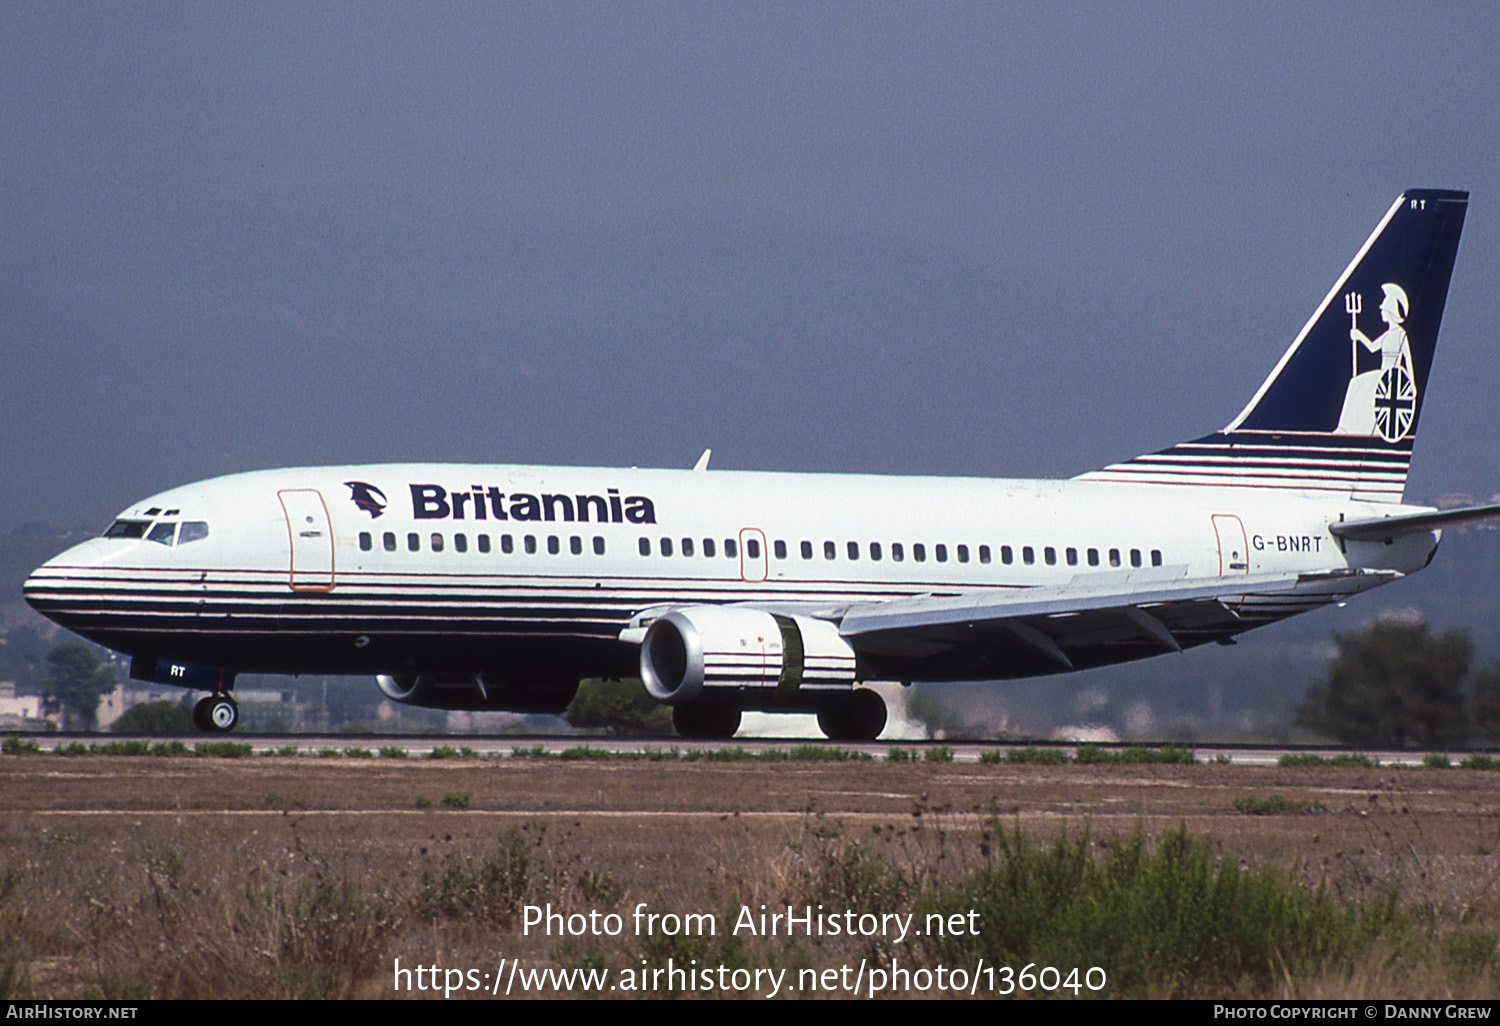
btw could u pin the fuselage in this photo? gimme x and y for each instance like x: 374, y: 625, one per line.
x: 532, y: 573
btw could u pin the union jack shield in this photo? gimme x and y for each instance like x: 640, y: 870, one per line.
x: 1395, y: 404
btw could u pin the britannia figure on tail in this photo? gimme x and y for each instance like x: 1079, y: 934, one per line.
x: 1381, y: 401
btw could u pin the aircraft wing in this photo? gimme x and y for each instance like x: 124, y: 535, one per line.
x: 1091, y: 618
x: 1387, y: 529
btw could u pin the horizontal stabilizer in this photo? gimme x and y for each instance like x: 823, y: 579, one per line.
x: 1386, y: 529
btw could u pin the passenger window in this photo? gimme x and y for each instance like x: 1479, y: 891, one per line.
x: 853, y: 550
x: 1072, y: 556
x: 941, y: 552
x: 807, y: 550
x: 366, y: 543
x: 1093, y: 557
x: 875, y: 551
x: 389, y: 541
x: 1135, y: 557
x: 1006, y: 555
x: 575, y: 545
x: 507, y: 544
x: 414, y: 542
x: 830, y: 550
x: 731, y: 548
x: 645, y: 546
x: 708, y: 547
x: 162, y: 533
x: 529, y: 544
x: 484, y: 543
x: 1114, y: 557
x: 919, y: 552
x: 1049, y: 554
x: 1156, y: 557
x: 598, y: 545
x: 191, y: 531
x: 687, y: 546
x: 752, y: 548
x: 554, y: 546
x: 898, y: 552
x: 461, y: 543
x: 437, y: 542
x: 1028, y: 555
x: 779, y: 547
x: 666, y: 546
x: 963, y: 553
x: 984, y: 553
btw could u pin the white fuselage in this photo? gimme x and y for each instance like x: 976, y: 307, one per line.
x: 537, y: 570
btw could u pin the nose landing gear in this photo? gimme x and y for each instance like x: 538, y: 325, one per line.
x: 218, y: 713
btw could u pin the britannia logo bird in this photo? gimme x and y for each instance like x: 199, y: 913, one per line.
x: 367, y: 497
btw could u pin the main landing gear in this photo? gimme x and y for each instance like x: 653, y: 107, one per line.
x: 218, y: 713
x: 705, y: 722
x: 858, y: 716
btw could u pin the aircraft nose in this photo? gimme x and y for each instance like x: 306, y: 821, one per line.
x: 50, y: 585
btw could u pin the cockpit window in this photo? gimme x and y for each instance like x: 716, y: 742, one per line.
x: 192, y: 530
x: 127, y: 529
x: 163, y: 532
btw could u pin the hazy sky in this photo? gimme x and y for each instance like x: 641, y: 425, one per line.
x: 982, y: 239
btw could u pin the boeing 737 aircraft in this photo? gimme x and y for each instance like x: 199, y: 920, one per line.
x: 499, y: 587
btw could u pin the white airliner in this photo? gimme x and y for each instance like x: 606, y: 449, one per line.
x: 500, y: 587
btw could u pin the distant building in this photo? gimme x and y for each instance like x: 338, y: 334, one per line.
x: 20, y: 712
x: 126, y: 694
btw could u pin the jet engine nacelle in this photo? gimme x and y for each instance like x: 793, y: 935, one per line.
x: 687, y: 652
x: 482, y: 692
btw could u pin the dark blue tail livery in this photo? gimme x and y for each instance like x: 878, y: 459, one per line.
x: 1340, y: 410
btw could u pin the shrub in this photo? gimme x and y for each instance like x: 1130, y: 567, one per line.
x: 491, y: 886
x: 123, y: 748
x: 1173, y: 919
x: 585, y: 752
x: 1039, y: 756
x: 822, y: 753
x: 1255, y: 806
x: 224, y: 749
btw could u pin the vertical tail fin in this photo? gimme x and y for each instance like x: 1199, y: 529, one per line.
x: 1340, y: 410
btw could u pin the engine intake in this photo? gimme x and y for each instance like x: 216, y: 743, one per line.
x: 687, y: 651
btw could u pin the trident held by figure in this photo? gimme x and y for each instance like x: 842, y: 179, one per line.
x: 1352, y: 304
